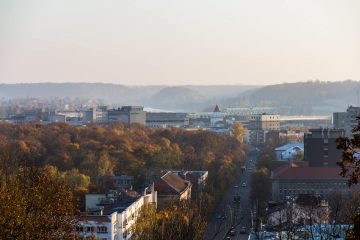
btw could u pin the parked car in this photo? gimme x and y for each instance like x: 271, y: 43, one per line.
x: 244, y: 185
x: 232, y: 233
x: 243, y: 230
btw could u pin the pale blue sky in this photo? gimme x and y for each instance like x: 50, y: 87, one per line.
x: 138, y: 42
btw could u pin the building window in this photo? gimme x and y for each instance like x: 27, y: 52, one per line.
x: 102, y: 229
x: 90, y: 229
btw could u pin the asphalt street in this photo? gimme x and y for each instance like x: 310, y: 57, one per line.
x: 230, y: 215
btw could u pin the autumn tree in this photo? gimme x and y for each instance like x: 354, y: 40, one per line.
x: 35, y: 205
x: 260, y: 188
x: 264, y: 161
x: 239, y: 131
x: 351, y: 210
x: 350, y: 162
x: 176, y: 222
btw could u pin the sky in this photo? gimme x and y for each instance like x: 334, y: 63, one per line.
x: 179, y: 42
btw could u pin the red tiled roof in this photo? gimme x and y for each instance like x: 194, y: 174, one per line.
x: 170, y: 183
x: 175, y: 181
x: 163, y: 188
x: 308, y: 173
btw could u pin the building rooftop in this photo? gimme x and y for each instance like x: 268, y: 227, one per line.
x: 289, y: 146
x: 170, y: 183
x: 296, y: 172
x: 217, y: 109
x: 94, y: 218
x: 117, y: 201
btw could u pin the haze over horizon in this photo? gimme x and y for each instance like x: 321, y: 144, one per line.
x: 179, y: 42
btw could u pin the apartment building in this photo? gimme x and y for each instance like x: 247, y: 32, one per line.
x: 112, y: 216
x: 260, y: 125
x: 128, y: 115
x: 320, y: 147
x: 346, y: 120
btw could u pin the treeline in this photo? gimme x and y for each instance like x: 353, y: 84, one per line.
x: 106, y: 150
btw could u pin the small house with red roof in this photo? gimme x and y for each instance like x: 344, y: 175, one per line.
x: 172, y: 188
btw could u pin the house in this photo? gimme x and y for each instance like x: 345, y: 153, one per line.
x: 111, y: 216
x: 289, y: 151
x: 196, y: 178
x: 172, y: 188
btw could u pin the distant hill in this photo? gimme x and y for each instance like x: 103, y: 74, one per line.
x: 177, y: 98
x: 186, y: 98
x: 313, y: 97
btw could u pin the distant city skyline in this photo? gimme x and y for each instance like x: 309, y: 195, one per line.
x: 164, y: 42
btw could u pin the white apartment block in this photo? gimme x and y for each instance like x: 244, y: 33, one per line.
x: 111, y: 218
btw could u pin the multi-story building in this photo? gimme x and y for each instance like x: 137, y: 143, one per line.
x: 98, y: 115
x: 167, y: 119
x: 320, y: 147
x: 128, y: 115
x: 260, y: 125
x: 214, y: 119
x: 292, y: 135
x: 71, y: 117
x: 346, y: 120
x: 293, y: 180
x: 113, y: 216
x: 294, y: 121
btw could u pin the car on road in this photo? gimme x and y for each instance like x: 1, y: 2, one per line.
x: 221, y: 217
x: 236, y: 186
x: 237, y: 198
x: 243, y: 230
x: 244, y: 185
x: 232, y: 233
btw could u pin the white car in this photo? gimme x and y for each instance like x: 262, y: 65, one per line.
x: 244, y: 185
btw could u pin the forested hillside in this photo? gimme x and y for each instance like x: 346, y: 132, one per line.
x: 312, y: 97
